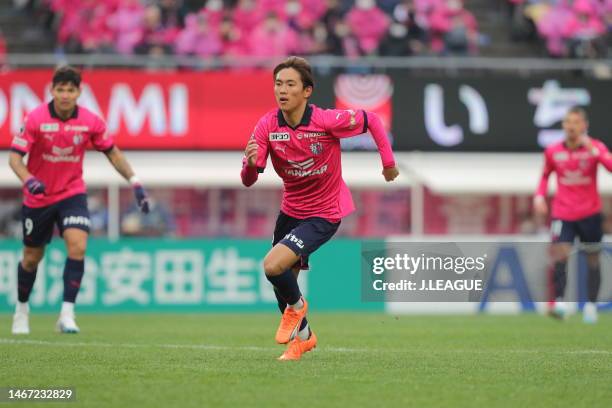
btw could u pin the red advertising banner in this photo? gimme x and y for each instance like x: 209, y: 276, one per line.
x: 178, y: 111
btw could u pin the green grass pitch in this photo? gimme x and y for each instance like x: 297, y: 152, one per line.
x: 363, y: 360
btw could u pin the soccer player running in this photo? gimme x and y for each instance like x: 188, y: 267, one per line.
x: 304, y: 143
x: 55, y: 136
x: 576, y: 207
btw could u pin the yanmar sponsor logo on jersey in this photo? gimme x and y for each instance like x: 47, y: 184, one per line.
x: 301, y: 169
x: 575, y: 178
x: 61, y: 155
x: 279, y: 136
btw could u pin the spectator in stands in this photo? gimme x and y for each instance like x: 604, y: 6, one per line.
x: 80, y: 23
x: 274, y: 38
x: 584, y: 31
x: 214, y: 12
x: 127, y: 24
x: 172, y: 14
x: 247, y: 16
x: 198, y: 37
x: 405, y: 36
x: 260, y: 27
x: 453, y: 29
x: 156, y: 38
x: 550, y: 26
x: 235, y: 42
x: 369, y: 24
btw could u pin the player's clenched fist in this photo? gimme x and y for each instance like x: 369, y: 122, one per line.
x: 390, y: 173
x: 251, y: 152
x: 35, y: 186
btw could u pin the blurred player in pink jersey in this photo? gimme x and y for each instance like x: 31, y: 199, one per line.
x: 303, y: 142
x: 55, y: 136
x: 576, y: 207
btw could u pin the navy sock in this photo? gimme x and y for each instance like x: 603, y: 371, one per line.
x: 282, y: 305
x: 559, y: 278
x: 25, y: 282
x: 73, y: 273
x: 593, y: 283
x: 287, y: 286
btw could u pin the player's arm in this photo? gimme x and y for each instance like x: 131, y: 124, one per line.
x: 601, y: 151
x: 377, y: 130
x: 255, y: 155
x: 348, y: 123
x: 249, y: 172
x: 20, y: 146
x: 539, y: 199
x: 18, y: 166
x: 120, y: 163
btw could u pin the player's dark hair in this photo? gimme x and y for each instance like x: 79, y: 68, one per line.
x: 579, y: 111
x: 300, y: 65
x: 66, y: 75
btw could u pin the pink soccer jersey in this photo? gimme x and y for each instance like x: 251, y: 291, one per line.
x: 307, y: 158
x: 576, y: 169
x: 56, y: 149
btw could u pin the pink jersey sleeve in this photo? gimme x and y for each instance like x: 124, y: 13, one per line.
x: 249, y: 174
x: 100, y: 139
x: 345, y: 123
x: 378, y: 132
x: 23, y: 141
x: 604, y: 155
x: 548, y: 168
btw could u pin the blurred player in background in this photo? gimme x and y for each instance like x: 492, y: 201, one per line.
x: 304, y: 143
x: 576, y: 207
x: 55, y: 136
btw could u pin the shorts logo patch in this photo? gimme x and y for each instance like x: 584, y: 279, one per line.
x: 295, y: 240
x: 76, y: 220
x: 49, y: 127
x: 279, y: 136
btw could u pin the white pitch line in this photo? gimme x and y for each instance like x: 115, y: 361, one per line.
x: 256, y: 348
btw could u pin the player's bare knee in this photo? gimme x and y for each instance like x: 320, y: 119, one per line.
x: 561, y: 252
x: 76, y: 249
x: 593, y: 260
x: 31, y: 258
x: 30, y: 264
x: 272, y: 267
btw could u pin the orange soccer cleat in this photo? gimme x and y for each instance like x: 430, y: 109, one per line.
x: 290, y: 322
x: 297, y: 347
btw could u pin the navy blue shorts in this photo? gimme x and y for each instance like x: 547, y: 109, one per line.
x: 303, y: 236
x: 588, y: 229
x: 38, y: 223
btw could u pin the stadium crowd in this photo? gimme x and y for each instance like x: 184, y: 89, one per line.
x: 569, y: 28
x: 209, y: 28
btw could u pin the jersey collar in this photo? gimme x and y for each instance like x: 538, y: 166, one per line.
x: 304, y: 122
x: 54, y: 115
